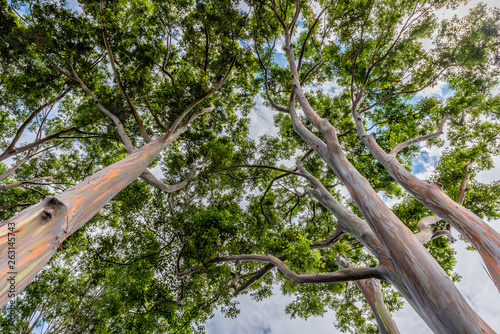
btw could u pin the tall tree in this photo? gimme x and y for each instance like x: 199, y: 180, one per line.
x: 77, y: 49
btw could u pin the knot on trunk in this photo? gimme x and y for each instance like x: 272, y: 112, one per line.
x: 438, y: 185
x: 47, y: 214
x: 51, y: 207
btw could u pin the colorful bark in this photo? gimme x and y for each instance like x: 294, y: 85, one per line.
x: 430, y: 287
x: 39, y: 230
x: 479, y: 233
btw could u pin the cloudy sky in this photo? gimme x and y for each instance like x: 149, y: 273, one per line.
x: 268, y: 316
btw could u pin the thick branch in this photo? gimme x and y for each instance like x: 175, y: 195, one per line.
x: 328, y: 242
x: 408, y: 256
x: 370, y: 288
x: 148, y: 177
x: 350, y: 223
x: 338, y: 276
x: 481, y: 234
x: 119, y: 126
x: 258, y: 275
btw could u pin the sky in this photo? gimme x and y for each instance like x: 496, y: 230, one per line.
x: 268, y: 316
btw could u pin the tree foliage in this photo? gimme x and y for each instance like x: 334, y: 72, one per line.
x: 83, y: 87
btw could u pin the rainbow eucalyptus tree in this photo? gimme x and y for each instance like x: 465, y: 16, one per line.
x: 122, y: 75
x: 373, y: 49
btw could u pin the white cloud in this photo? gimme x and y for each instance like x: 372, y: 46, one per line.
x: 74, y: 6
x: 495, y: 90
x: 439, y: 90
x: 487, y: 176
x: 268, y: 316
x: 261, y: 120
x: 463, y: 10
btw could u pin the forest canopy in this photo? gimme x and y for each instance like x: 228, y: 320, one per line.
x: 133, y: 198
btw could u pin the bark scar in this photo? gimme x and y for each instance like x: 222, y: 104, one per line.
x: 52, y: 206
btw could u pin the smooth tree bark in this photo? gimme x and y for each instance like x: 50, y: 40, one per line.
x: 29, y: 239
x: 478, y: 232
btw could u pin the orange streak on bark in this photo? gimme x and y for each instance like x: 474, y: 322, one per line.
x: 36, y: 240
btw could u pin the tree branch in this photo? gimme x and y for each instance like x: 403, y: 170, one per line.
x: 258, y: 275
x: 23, y: 126
x: 266, y: 83
x: 203, y: 97
x: 370, y: 288
x: 331, y: 240
x: 463, y: 185
x: 57, y: 68
x: 428, y: 231
x: 157, y: 120
x: 148, y: 177
x: 138, y: 119
x: 261, y: 202
x: 22, y: 149
x: 438, y: 133
x: 29, y: 182
x: 262, y: 166
x: 309, y: 33
x: 350, y: 274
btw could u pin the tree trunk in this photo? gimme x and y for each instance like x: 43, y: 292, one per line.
x: 37, y: 232
x: 444, y: 308
x: 479, y: 233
